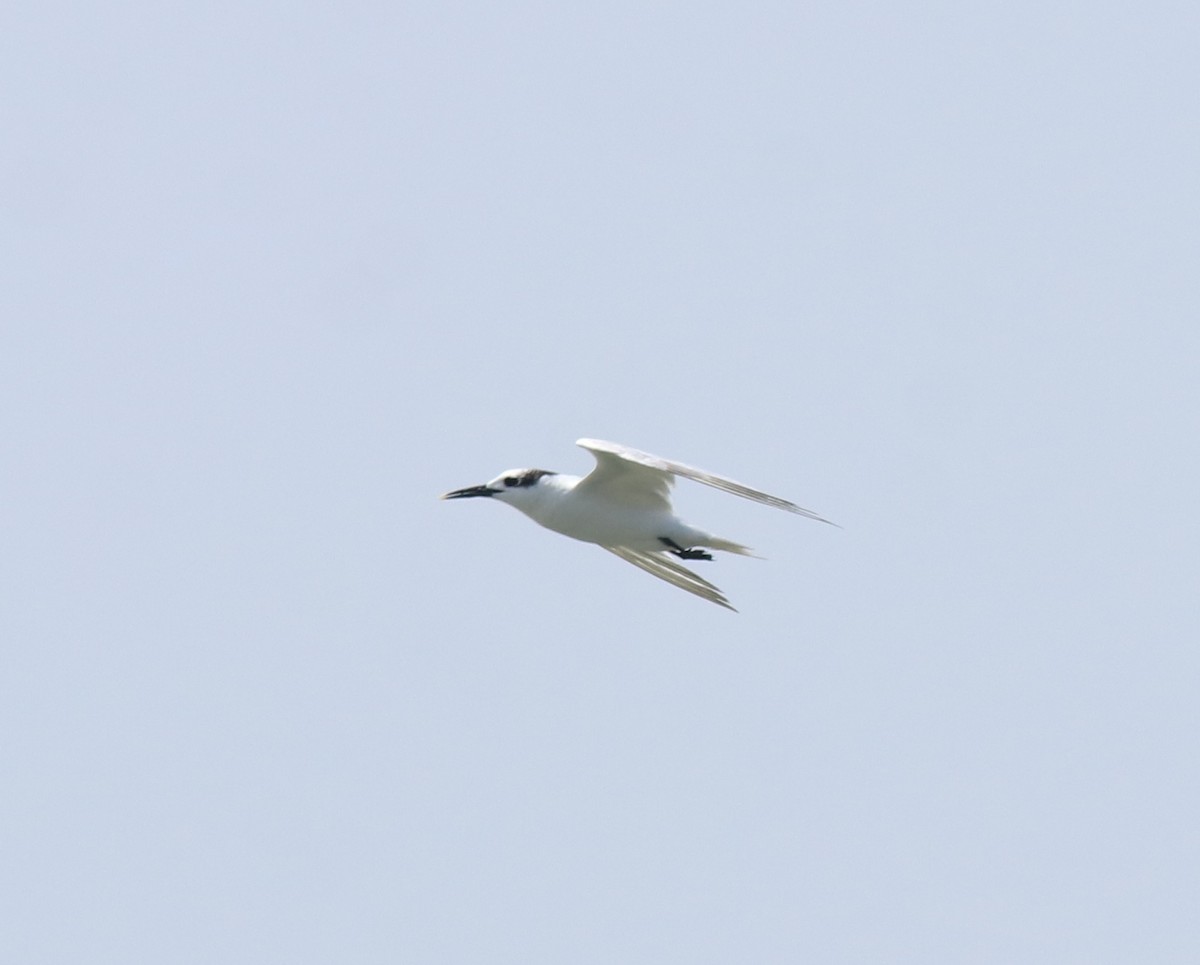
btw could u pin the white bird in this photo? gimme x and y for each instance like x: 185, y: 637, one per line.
x: 624, y: 505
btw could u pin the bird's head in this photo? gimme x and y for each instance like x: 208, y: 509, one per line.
x: 516, y: 486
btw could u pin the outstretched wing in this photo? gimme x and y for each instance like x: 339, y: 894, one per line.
x: 649, y: 477
x: 635, y: 483
x: 665, y: 568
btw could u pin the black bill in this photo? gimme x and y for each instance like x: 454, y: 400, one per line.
x: 470, y: 491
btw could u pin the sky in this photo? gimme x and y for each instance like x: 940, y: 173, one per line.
x: 278, y: 275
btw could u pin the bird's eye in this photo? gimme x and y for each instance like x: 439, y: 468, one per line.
x: 510, y: 480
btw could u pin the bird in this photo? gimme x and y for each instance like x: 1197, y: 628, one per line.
x: 624, y: 506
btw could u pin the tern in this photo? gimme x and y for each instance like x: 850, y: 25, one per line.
x: 624, y: 506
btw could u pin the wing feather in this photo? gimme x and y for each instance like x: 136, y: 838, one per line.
x: 638, y: 485
x: 610, y: 455
x: 662, y: 566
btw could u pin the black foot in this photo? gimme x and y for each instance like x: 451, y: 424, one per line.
x: 682, y: 553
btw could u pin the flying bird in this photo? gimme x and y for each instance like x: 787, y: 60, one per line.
x: 624, y: 505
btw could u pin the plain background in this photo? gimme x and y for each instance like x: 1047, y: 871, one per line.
x: 276, y: 275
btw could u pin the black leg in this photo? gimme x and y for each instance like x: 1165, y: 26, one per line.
x: 692, y: 554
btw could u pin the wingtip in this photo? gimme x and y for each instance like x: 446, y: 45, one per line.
x: 809, y: 514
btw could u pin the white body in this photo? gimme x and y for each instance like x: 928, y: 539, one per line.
x: 624, y: 505
x: 604, y: 517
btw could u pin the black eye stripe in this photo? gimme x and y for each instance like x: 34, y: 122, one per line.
x: 526, y: 479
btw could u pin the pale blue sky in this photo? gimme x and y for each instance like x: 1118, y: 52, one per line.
x: 279, y: 274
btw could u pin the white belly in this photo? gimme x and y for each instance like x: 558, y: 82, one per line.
x: 611, y: 525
